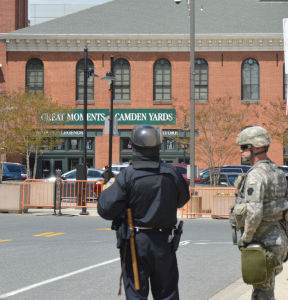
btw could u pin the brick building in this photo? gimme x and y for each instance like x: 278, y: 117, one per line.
x: 239, y: 54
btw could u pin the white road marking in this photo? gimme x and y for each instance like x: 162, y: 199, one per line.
x: 33, y: 286
x: 203, y: 242
x: 183, y: 243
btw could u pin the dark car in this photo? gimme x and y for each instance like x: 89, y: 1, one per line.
x: 225, y: 169
x: 224, y: 179
x: 182, y: 169
x: 13, y: 171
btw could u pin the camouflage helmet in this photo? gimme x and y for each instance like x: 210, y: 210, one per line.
x: 146, y: 136
x: 256, y: 136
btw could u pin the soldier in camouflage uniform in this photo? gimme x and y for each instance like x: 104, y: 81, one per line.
x: 263, y: 191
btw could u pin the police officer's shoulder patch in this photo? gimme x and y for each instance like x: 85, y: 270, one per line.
x: 108, y: 183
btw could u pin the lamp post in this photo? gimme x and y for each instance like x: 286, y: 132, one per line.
x: 191, y: 9
x: 110, y: 80
x: 83, y: 167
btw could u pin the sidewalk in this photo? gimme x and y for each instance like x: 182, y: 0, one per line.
x: 241, y: 291
x: 65, y: 211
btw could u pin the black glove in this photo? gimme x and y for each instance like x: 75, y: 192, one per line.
x: 241, y: 244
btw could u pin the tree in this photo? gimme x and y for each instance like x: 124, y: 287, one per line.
x: 275, y: 120
x: 26, y: 132
x: 218, y: 123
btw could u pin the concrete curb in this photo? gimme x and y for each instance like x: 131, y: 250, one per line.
x: 238, y: 290
x: 64, y: 211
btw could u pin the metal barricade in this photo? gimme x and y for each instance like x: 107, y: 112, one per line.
x: 209, y: 201
x: 80, y: 193
x: 42, y: 193
x: 38, y: 193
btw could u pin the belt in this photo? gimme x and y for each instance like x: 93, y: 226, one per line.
x: 150, y: 229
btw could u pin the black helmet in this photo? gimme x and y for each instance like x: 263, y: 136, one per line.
x: 146, y: 136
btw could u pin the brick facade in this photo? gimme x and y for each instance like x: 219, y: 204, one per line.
x: 60, y: 82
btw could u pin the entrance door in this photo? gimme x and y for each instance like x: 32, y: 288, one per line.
x: 46, y: 168
x: 72, y: 163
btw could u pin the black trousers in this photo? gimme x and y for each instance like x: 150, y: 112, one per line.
x: 157, y: 264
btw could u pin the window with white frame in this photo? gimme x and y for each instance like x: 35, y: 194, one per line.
x: 201, y: 79
x: 162, y: 80
x: 122, y: 83
x: 34, y: 76
x: 80, y: 81
x: 250, y: 79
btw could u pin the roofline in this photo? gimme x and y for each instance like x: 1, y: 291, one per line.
x: 142, y: 42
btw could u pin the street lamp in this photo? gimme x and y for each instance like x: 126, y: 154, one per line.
x: 83, y: 167
x: 110, y: 77
x: 191, y: 9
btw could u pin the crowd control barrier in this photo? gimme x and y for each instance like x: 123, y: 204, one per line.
x: 208, y: 201
x: 42, y: 193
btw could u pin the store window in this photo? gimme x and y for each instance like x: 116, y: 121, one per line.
x: 74, y: 144
x: 122, y: 83
x: 169, y: 144
x: 250, y: 79
x: 201, y: 79
x: 80, y: 81
x: 162, y: 80
x: 89, y: 143
x: 125, y: 143
x: 60, y: 145
x: 34, y: 76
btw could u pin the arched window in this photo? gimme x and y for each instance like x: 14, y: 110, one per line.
x: 162, y: 80
x: 34, y: 76
x: 250, y: 79
x: 122, y: 83
x: 201, y: 79
x: 80, y: 81
x: 285, y: 78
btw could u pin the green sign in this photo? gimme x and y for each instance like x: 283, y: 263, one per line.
x: 124, y: 117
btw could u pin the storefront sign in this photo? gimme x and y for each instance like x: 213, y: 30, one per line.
x: 124, y: 116
x: 170, y: 132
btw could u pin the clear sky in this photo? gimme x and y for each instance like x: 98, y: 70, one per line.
x: 45, y: 10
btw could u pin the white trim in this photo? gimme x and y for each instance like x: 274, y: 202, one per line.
x: 143, y: 43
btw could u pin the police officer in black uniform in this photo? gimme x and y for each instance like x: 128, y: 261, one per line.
x: 153, y: 190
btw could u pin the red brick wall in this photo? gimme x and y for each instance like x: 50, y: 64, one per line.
x: 224, y: 81
x: 102, y: 150
x: 13, y: 15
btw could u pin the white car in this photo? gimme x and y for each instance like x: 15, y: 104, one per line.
x: 116, y: 168
x: 92, y: 175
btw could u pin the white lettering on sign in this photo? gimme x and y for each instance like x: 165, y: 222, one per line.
x: 53, y: 117
x: 131, y: 116
x: 161, y: 117
x: 95, y: 117
x: 170, y: 132
x: 72, y: 132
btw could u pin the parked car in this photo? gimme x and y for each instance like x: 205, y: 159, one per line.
x: 13, y: 171
x: 92, y: 175
x: 71, y: 188
x: 225, y: 180
x: 182, y: 168
x: 225, y: 169
x: 117, y: 167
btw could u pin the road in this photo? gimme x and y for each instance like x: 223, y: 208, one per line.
x: 74, y: 257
